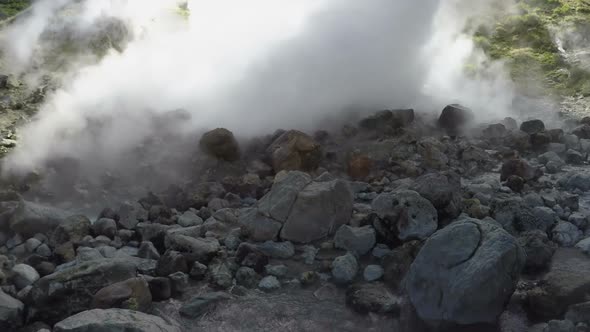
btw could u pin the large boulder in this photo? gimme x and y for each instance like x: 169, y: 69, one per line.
x: 532, y: 126
x: 295, y: 150
x: 220, y: 143
x: 11, y: 312
x: 443, y: 190
x: 318, y: 211
x: 454, y: 118
x: 99, y: 320
x: 465, y: 273
x: 131, y: 294
x: 356, y: 239
x: 405, y: 215
x: 301, y: 209
x: 32, y: 218
x: 566, y: 283
x: 70, y: 290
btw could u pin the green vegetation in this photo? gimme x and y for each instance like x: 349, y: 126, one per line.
x: 526, y: 40
x: 10, y: 8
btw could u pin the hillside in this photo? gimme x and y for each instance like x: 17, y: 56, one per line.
x: 543, y: 41
x: 12, y: 7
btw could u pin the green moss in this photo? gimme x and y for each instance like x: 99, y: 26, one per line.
x: 10, y: 8
x: 525, y: 42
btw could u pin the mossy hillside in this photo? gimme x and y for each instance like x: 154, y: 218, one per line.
x: 526, y: 39
x: 10, y: 8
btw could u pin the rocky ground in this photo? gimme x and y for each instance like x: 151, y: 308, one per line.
x: 395, y: 222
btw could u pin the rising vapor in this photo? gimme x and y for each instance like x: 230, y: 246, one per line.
x: 249, y: 67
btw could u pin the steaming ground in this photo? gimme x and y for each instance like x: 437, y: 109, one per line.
x: 251, y: 68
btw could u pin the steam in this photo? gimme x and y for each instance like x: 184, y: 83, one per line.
x: 250, y: 66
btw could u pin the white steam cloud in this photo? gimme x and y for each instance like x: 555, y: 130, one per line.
x: 251, y: 66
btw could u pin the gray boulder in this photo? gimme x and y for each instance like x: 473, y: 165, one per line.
x: 302, y: 210
x: 69, y: 290
x: 32, y: 218
x: 189, y: 219
x: 465, y: 273
x: 24, y: 275
x: 106, y: 227
x: 320, y: 208
x: 11, y: 311
x: 359, y: 240
x: 130, y: 214
x: 443, y: 190
x: 109, y: 320
x: 344, y: 269
x: 277, y: 249
x: 405, y: 214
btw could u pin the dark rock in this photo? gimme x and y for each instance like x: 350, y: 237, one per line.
x: 359, y: 166
x: 566, y: 234
x: 539, y: 250
x: 220, y: 274
x: 495, y: 131
x: 574, y: 157
x: 519, y: 168
x: 374, y: 297
x: 73, y: 229
x: 295, y: 150
x: 277, y: 249
x: 247, y: 277
x: 540, y: 141
x: 405, y: 215
x: 99, y: 320
x: 359, y: 240
x: 579, y: 313
x: 465, y: 258
x: 133, y: 294
x: 582, y: 131
x: 532, y: 126
x: 172, y: 261
x: 249, y: 255
x: 11, y: 312
x: 148, y: 251
x: 396, y: 263
x: 178, y: 282
x: 106, y: 227
x: 443, y: 190
x: 198, y: 271
x: 454, y: 118
x: 220, y: 143
x: 108, y: 213
x: 24, y: 275
x: 160, y: 288
x: 515, y: 183
x: 344, y: 269
x: 130, y: 214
